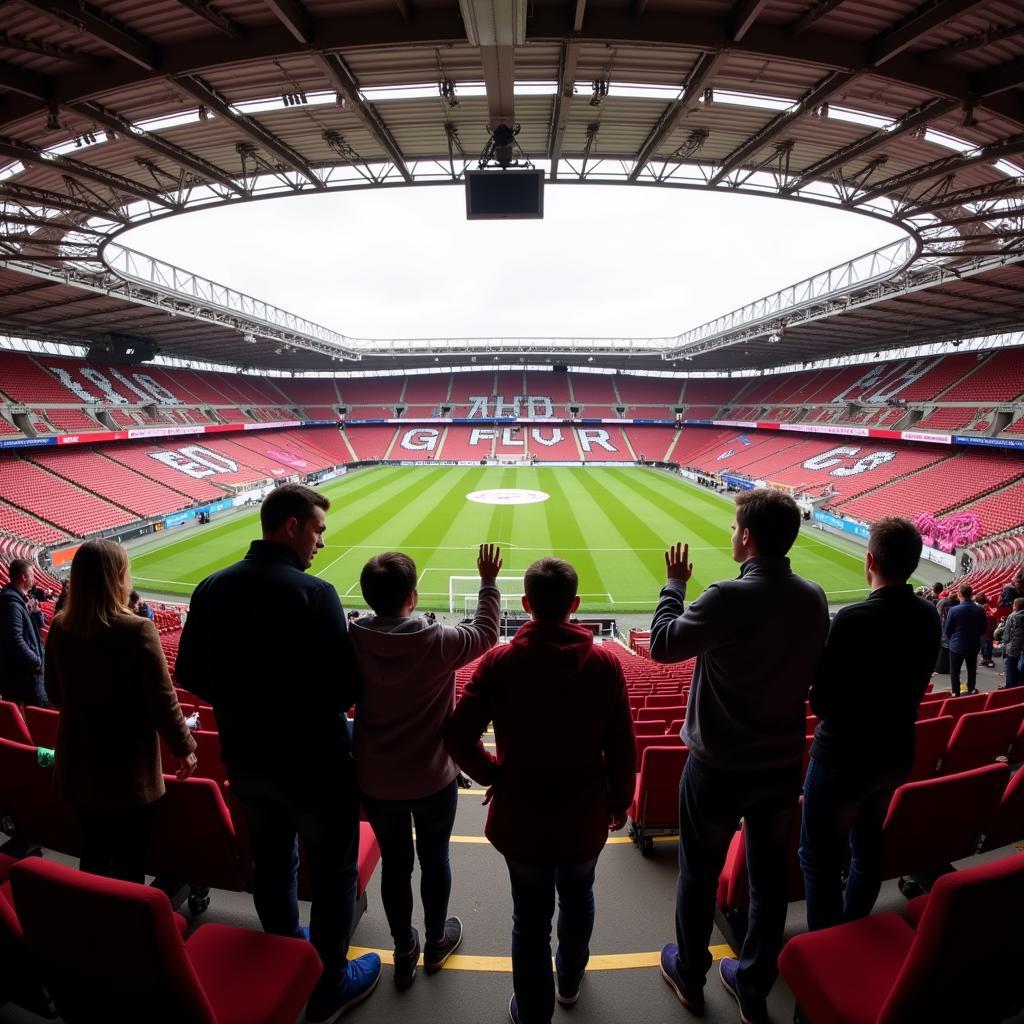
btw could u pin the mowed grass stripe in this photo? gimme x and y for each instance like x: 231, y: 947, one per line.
x: 565, y: 531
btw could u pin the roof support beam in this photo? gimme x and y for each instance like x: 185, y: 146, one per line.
x: 497, y: 27
x: 1000, y: 78
x: 563, y: 101
x: 9, y: 42
x: 39, y: 197
x: 841, y: 157
x: 295, y: 18
x: 814, y: 14
x: 925, y: 19
x: 28, y: 83
x: 978, y: 194
x: 986, y: 38
x: 690, y: 93
x: 780, y: 123
x: 95, y: 22
x: 206, y: 95
x: 743, y: 16
x: 344, y: 81
x: 213, y: 17
x: 113, y: 121
x: 17, y: 150
x: 943, y: 166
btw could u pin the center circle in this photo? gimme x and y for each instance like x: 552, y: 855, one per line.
x: 507, y: 496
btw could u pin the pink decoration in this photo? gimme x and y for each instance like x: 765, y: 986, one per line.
x: 949, y: 533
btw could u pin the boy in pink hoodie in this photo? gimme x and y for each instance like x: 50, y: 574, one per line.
x: 405, y: 776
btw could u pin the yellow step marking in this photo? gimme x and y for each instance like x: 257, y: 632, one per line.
x: 503, y: 964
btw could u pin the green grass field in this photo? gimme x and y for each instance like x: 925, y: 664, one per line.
x: 613, y: 524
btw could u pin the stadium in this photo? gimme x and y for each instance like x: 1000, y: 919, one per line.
x: 147, y: 404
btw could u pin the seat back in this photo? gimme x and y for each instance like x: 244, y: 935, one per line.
x: 932, y: 738
x: 950, y: 972
x: 657, y: 795
x: 1004, y: 698
x: 107, y: 950
x: 12, y: 724
x: 929, y: 710
x: 980, y: 737
x: 647, y: 729
x: 208, y: 755
x: 193, y: 838
x: 667, y: 700
x: 933, y: 822
x: 664, y: 714
x: 42, y: 724
x: 1008, y: 825
x: 19, y: 981
x: 662, y: 740
x: 26, y: 794
x: 957, y: 706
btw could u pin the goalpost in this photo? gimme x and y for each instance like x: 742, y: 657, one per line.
x: 462, y: 592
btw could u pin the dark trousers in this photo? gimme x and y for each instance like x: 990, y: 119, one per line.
x: 533, y: 905
x: 1011, y: 670
x: 393, y: 821
x: 711, y: 803
x: 986, y: 649
x: 956, y: 661
x: 28, y: 693
x: 842, y: 808
x: 115, y: 841
x: 278, y: 815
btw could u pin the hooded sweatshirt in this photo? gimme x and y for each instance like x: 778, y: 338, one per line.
x: 564, y: 736
x: 408, y: 669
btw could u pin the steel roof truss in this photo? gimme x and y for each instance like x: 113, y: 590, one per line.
x: 927, y: 18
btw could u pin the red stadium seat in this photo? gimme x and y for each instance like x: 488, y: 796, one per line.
x: 932, y: 738
x: 27, y: 796
x: 1004, y: 698
x: 42, y: 724
x: 982, y: 736
x: 1008, y: 825
x: 881, y: 970
x: 662, y: 740
x: 660, y: 714
x: 12, y: 724
x: 655, y: 807
x: 963, y: 705
x: 118, y: 956
x: 933, y: 822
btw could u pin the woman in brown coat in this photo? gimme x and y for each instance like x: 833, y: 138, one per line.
x: 106, y: 673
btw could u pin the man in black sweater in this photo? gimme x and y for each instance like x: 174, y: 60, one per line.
x: 266, y: 644
x: 877, y: 663
x: 757, y: 640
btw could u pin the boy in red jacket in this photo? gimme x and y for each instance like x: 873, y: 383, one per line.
x: 563, y: 779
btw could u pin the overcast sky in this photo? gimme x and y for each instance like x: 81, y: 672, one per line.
x: 606, y: 261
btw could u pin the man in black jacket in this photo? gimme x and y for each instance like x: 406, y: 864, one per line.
x: 757, y: 640
x: 877, y: 663
x: 267, y: 645
x: 21, y: 648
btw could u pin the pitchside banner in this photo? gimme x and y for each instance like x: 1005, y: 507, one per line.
x: 851, y: 526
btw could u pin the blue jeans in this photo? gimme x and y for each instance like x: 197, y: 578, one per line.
x: 393, y: 822
x: 840, y: 808
x: 1011, y: 670
x: 986, y: 649
x: 711, y: 803
x: 533, y: 905
x: 278, y: 815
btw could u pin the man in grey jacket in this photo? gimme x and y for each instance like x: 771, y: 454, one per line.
x: 757, y: 640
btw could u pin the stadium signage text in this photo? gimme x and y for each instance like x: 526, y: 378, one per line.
x: 426, y: 439
x: 196, y: 461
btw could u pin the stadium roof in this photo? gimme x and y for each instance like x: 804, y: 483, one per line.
x: 114, y: 113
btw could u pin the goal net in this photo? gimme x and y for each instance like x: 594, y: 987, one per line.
x: 463, y: 590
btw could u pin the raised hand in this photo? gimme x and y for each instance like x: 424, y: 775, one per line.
x: 489, y: 561
x: 677, y: 563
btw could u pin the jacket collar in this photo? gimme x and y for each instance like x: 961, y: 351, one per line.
x: 10, y: 588
x: 891, y: 590
x: 766, y: 565
x: 271, y: 551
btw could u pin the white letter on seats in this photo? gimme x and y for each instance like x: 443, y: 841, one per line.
x: 590, y: 437
x: 175, y: 460
x: 421, y: 439
x: 830, y: 458
x: 557, y: 437
x: 539, y: 407
x: 217, y: 462
x: 478, y: 410
x: 97, y: 378
x: 476, y: 435
x: 71, y: 384
x: 870, y: 461
x: 510, y: 441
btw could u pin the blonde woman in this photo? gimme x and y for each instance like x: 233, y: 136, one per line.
x: 106, y: 672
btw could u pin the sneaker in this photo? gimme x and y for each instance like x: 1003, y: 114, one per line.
x: 513, y: 1010
x: 436, y: 953
x: 405, y: 963
x: 567, y: 990
x: 360, y: 980
x: 692, y: 999
x: 751, y: 1011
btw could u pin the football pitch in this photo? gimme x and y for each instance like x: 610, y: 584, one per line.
x: 613, y: 524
